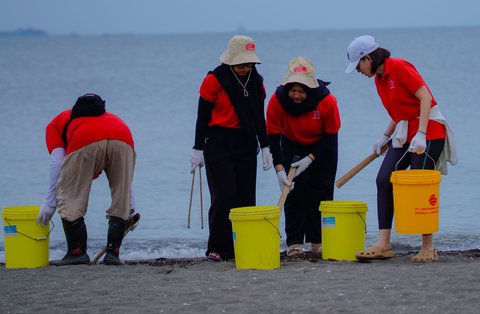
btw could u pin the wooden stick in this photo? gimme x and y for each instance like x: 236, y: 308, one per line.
x: 191, y: 196
x: 286, y: 188
x: 201, y: 195
x: 350, y: 174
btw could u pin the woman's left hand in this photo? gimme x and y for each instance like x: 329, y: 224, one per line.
x: 418, y: 143
x: 302, y: 164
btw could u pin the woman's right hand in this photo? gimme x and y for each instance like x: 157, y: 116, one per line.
x: 377, y: 146
x: 282, y: 179
x: 196, y: 159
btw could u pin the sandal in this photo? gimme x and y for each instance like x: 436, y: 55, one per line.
x: 214, y: 257
x: 425, y: 256
x: 294, y: 251
x: 316, y: 250
x: 375, y: 252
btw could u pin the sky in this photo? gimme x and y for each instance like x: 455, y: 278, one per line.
x: 91, y: 17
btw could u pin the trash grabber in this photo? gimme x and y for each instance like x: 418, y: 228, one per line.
x: 201, y: 195
x: 191, y: 196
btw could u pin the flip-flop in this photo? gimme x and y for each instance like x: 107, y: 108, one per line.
x: 425, y: 256
x: 375, y: 252
x: 214, y: 257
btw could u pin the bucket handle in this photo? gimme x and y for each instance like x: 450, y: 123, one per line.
x: 423, y: 167
x: 280, y: 235
x: 364, y: 222
x: 36, y: 239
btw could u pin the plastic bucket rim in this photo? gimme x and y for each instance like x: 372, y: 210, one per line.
x: 343, y: 206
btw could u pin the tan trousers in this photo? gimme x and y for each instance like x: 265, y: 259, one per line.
x: 114, y: 157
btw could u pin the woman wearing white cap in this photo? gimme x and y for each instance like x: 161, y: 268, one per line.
x: 415, y: 135
x: 303, y: 120
x: 230, y: 127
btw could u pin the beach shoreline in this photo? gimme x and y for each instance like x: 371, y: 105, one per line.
x: 302, y: 284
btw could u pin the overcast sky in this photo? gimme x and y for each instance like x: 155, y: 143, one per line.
x: 186, y: 16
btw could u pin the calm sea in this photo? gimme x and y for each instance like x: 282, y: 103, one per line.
x: 152, y: 82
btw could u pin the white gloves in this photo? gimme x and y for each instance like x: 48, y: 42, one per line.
x: 302, y: 164
x: 45, y: 214
x: 377, y: 147
x: 282, y: 179
x: 267, y: 158
x: 418, y: 143
x: 196, y: 159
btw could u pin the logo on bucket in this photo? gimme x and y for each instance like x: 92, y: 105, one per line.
x: 432, y: 200
x: 10, y: 231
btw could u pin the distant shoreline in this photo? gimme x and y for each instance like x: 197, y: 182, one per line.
x: 24, y: 32
x: 34, y: 32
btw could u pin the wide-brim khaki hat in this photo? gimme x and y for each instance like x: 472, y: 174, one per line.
x: 301, y: 70
x: 241, y: 49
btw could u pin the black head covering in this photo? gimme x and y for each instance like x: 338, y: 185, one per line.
x: 88, y: 105
x: 314, y: 96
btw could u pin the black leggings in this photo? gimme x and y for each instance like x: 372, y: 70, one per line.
x: 394, y: 161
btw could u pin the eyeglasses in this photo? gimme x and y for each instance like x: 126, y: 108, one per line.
x: 243, y: 66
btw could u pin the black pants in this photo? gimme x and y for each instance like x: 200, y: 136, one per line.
x: 303, y: 221
x: 394, y: 161
x: 231, y: 166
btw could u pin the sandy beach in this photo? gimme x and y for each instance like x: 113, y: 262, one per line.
x: 301, y: 285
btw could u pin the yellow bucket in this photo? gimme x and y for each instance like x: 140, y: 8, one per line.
x: 256, y: 237
x: 343, y: 229
x: 416, y: 199
x: 26, y: 243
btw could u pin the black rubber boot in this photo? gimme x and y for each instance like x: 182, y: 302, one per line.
x: 116, y: 231
x: 76, y: 236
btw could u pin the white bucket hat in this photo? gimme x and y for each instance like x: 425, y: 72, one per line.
x: 357, y: 49
x: 241, y: 49
x: 301, y: 70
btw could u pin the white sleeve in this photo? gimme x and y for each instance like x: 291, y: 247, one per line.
x: 56, y: 161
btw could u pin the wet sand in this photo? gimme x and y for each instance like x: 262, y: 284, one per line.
x: 301, y: 285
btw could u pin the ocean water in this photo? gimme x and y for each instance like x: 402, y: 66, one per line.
x: 152, y: 82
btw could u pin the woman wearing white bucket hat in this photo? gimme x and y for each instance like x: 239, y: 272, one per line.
x: 415, y: 135
x: 303, y: 120
x: 230, y: 126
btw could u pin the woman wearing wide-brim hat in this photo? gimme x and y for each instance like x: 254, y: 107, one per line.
x: 303, y: 120
x: 229, y: 130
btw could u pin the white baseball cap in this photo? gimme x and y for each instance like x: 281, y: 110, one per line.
x: 357, y: 49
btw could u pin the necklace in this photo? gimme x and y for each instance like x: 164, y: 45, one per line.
x: 244, y: 86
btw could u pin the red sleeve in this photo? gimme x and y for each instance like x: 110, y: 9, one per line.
x: 408, y: 76
x: 274, y: 116
x: 330, y: 115
x: 210, y: 88
x: 54, y: 130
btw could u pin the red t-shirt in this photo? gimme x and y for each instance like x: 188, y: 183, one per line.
x: 223, y: 113
x: 396, y: 88
x: 86, y: 130
x: 306, y: 128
